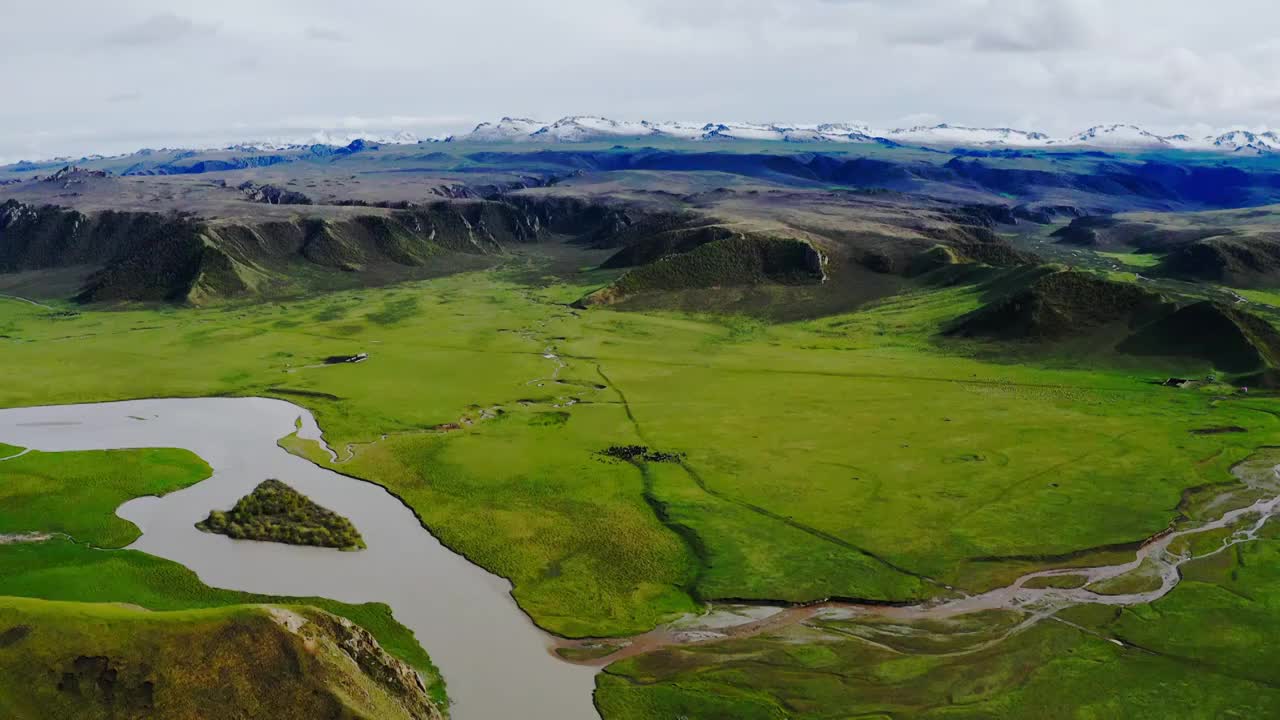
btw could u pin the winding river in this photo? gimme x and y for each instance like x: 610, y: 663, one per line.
x: 496, y: 662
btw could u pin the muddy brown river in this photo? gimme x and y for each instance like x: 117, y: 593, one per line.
x: 496, y: 662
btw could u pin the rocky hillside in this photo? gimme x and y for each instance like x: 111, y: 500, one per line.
x: 179, y: 258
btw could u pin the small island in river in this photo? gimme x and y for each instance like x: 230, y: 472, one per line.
x: 275, y: 512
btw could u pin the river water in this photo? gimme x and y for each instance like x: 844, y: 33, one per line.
x: 496, y: 662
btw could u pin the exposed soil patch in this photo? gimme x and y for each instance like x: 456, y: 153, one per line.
x: 14, y: 635
x: 589, y: 651
x: 1219, y: 430
x: 24, y: 538
x: 96, y: 677
x: 640, y: 453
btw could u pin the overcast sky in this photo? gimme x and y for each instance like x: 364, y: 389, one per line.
x: 92, y: 76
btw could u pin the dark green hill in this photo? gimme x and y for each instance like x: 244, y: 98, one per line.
x: 1055, y: 310
x: 1238, y: 260
x: 275, y: 512
x: 655, y: 246
x: 1232, y: 340
x: 1111, y: 233
x: 964, y: 244
x: 1058, y: 304
x: 742, y: 260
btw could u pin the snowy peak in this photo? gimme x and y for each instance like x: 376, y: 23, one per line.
x: 581, y: 128
x: 944, y: 136
x: 1119, y: 136
x: 960, y: 135
x: 742, y: 131
x: 1243, y: 141
x: 505, y: 129
x: 325, y: 137
x: 591, y: 128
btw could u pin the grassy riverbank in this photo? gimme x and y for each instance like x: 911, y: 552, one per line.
x: 77, y: 493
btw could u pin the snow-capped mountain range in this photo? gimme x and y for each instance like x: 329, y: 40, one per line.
x: 588, y: 128
x: 332, y: 139
x: 591, y: 128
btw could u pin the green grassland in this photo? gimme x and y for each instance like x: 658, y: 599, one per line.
x: 855, y: 455
x: 1137, y: 260
x: 533, y: 502
x: 77, y: 493
x: 1263, y: 297
x: 64, y: 660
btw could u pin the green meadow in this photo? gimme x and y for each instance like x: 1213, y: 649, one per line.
x: 1137, y: 260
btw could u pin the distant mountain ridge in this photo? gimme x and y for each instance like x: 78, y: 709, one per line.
x: 590, y: 128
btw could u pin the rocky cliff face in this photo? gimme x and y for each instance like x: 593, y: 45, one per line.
x: 397, y: 678
x: 177, y: 258
x: 138, y: 256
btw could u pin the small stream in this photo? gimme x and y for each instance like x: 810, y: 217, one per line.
x: 496, y: 662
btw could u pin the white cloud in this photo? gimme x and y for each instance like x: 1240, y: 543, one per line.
x: 1047, y: 25
x: 160, y: 29
x: 180, y: 69
x: 326, y: 34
